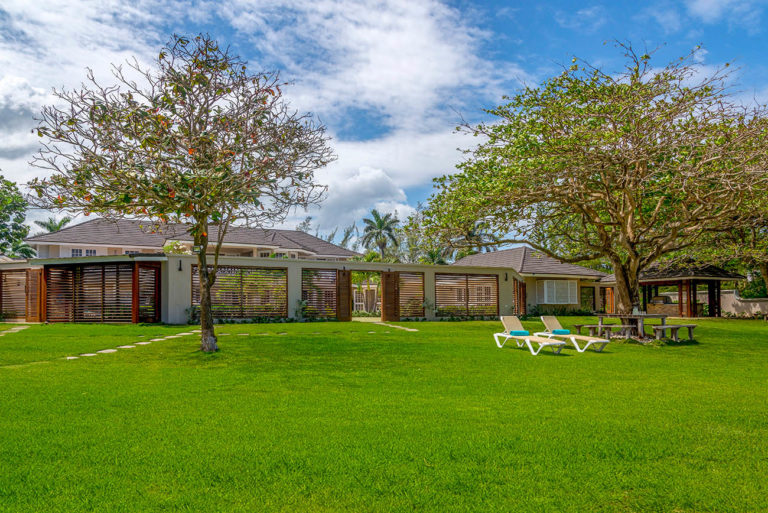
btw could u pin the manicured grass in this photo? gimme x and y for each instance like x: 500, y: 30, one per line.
x: 329, y: 417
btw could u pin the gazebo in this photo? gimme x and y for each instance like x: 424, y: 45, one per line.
x: 686, y: 277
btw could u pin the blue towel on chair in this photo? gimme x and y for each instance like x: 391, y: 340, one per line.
x: 561, y: 332
x: 519, y: 333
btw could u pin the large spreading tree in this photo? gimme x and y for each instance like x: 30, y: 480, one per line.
x: 626, y: 167
x: 196, y: 138
x: 13, y: 210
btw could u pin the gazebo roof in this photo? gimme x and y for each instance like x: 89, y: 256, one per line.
x: 682, y: 271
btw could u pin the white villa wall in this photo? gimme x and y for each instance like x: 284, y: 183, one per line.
x: 177, y: 285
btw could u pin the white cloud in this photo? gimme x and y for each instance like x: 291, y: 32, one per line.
x: 409, y: 64
x: 586, y: 20
x: 667, y: 16
x: 737, y: 13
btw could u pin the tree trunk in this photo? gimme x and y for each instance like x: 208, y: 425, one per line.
x: 382, y: 247
x: 627, y: 286
x: 763, y: 266
x: 208, y: 337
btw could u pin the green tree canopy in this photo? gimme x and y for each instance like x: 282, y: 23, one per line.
x: 625, y: 167
x: 197, y: 138
x: 13, y: 210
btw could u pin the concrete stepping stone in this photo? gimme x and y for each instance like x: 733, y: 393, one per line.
x: 87, y: 354
x: 371, y: 332
x: 197, y: 331
x: 106, y: 351
x: 184, y: 334
x: 156, y: 340
x: 72, y: 357
x: 126, y: 347
x: 172, y: 336
x: 243, y: 334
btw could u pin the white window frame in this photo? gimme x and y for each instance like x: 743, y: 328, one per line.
x: 90, y: 252
x: 558, y: 292
x: 76, y: 252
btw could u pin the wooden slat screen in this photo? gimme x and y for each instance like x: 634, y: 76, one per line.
x: 318, y: 289
x: 148, y: 294
x: 466, y: 294
x: 14, y: 296
x: 483, y: 294
x: 411, y: 294
x: 246, y: 292
x: 518, y: 297
x: 60, y: 294
x: 34, y: 276
x: 89, y: 293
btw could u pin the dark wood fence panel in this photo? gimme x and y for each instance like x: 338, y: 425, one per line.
x: 390, y: 297
x: 411, y: 294
x: 13, y: 295
x: 34, y: 292
x: 246, y: 292
x: 466, y: 294
x: 318, y: 290
x: 149, y: 293
x: 89, y: 293
x: 344, y: 295
x: 60, y: 294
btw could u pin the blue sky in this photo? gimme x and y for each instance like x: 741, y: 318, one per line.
x: 390, y: 78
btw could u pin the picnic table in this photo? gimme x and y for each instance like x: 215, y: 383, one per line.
x: 636, y: 320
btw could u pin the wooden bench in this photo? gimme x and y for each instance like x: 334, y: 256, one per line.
x: 597, y: 330
x: 661, y: 330
x: 624, y: 329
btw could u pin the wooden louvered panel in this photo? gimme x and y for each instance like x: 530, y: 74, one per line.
x: 13, y: 295
x: 466, y: 294
x: 450, y: 295
x: 344, y: 295
x: 148, y: 294
x: 390, y: 302
x: 60, y: 294
x: 483, y: 293
x: 318, y: 289
x: 89, y: 293
x: 411, y: 294
x: 245, y: 292
x: 34, y: 289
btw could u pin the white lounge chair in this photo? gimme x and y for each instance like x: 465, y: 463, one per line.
x: 514, y: 330
x: 555, y: 330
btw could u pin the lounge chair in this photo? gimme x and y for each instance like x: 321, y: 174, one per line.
x: 555, y: 330
x: 514, y: 330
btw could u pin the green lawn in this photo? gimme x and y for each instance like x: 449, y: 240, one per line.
x: 329, y: 417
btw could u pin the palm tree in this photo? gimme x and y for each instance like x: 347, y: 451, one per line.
x: 380, y: 231
x: 54, y: 225
x: 434, y: 257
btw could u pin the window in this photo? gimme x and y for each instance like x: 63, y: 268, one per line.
x: 557, y: 292
x: 279, y: 255
x: 77, y: 252
x: 264, y: 254
x: 90, y: 252
x: 131, y: 252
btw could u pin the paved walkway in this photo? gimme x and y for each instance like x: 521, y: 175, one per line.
x: 15, y: 329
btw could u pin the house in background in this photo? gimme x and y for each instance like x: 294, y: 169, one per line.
x: 100, y: 237
x: 549, y: 283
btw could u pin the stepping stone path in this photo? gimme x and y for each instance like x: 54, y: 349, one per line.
x: 395, y: 326
x: 126, y: 346
x: 15, y: 329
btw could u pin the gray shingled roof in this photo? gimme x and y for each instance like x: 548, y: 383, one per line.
x: 127, y: 232
x: 525, y: 260
x: 676, y: 272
